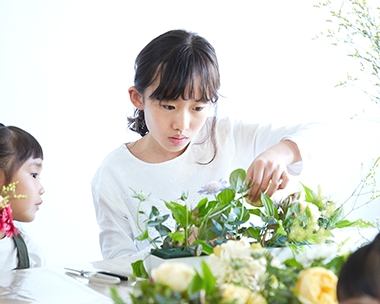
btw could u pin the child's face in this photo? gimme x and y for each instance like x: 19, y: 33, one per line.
x: 28, y: 177
x: 173, y: 124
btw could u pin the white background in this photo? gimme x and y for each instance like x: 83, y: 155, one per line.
x: 66, y: 66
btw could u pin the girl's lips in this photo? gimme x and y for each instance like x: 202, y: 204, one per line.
x: 177, y: 140
x: 38, y: 205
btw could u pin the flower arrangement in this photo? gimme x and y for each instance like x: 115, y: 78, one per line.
x: 241, y: 266
x: 301, y: 218
x: 6, y: 221
x: 240, y: 272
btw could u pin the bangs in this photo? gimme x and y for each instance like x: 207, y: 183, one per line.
x: 187, y: 74
x: 26, y: 146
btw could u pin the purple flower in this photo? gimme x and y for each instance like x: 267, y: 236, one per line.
x: 213, y: 187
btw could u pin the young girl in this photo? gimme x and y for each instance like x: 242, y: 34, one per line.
x: 183, y: 144
x: 21, y: 162
x: 359, y: 277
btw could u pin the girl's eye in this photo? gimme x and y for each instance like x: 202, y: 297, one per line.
x: 34, y: 175
x: 167, y: 107
x: 198, y: 109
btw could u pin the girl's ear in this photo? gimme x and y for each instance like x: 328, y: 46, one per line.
x: 136, y: 98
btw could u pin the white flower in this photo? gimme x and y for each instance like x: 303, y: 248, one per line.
x: 323, y: 252
x: 315, y: 213
x: 239, y: 263
x: 176, y: 275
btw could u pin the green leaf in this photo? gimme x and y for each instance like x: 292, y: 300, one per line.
x: 280, y: 229
x: 208, y: 278
x: 358, y: 223
x: 237, y: 180
x: 143, y: 236
x: 206, y: 248
x: 115, y: 296
x: 154, y: 212
x: 180, y: 213
x: 139, y: 270
x: 177, y: 236
x: 226, y: 196
x: 196, y: 284
x: 269, y: 206
x: 162, y: 230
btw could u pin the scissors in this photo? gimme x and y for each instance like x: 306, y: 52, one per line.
x: 101, y: 277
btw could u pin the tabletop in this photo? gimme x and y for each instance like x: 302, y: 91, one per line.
x: 57, y: 285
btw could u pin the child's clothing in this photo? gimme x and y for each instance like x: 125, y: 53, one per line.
x: 11, y: 258
x: 238, y: 143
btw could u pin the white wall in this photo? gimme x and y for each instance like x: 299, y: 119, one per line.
x: 66, y: 66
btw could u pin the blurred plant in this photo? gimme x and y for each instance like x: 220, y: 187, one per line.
x: 240, y: 273
x: 355, y: 26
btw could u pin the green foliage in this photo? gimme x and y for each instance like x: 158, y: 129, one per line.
x: 208, y: 224
x: 355, y: 27
x: 294, y: 220
x: 139, y: 270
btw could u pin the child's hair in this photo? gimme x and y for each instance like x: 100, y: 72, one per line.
x: 178, y: 60
x: 360, y: 274
x: 16, y: 147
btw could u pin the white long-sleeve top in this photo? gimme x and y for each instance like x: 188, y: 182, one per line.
x: 117, y: 211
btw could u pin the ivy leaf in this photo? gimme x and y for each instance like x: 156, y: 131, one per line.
x: 139, y: 270
x: 143, y: 236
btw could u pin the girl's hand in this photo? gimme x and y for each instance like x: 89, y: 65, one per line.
x: 268, y: 172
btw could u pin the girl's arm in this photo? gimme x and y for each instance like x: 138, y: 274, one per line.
x: 268, y: 172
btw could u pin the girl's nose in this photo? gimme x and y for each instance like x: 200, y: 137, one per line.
x: 42, y: 190
x: 182, y: 121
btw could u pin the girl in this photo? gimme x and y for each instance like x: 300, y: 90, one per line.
x: 21, y: 162
x: 183, y: 145
x: 359, y: 277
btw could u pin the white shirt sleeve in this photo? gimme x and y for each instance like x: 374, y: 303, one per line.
x: 117, y: 225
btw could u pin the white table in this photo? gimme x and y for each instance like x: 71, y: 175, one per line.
x: 55, y: 285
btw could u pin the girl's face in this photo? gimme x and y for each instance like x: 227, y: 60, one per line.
x: 172, y: 124
x: 28, y: 177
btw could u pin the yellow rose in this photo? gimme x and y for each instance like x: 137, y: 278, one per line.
x: 256, y: 298
x: 317, y: 285
x: 241, y: 295
x: 176, y: 275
